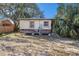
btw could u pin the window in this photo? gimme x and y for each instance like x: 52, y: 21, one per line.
x: 6, y: 24
x: 31, y: 24
x: 46, y: 23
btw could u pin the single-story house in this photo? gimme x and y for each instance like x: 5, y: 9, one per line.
x: 35, y: 25
x: 6, y: 25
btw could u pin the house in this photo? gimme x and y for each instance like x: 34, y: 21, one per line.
x: 35, y: 25
x: 6, y: 25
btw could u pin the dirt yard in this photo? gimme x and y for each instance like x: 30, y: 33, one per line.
x: 17, y: 44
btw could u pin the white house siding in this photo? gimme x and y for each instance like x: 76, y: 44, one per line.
x: 25, y: 26
x: 42, y: 24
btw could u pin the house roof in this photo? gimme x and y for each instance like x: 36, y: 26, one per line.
x: 4, y: 19
x: 34, y: 19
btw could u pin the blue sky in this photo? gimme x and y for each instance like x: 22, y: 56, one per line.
x: 49, y: 9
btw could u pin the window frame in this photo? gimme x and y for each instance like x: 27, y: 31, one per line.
x: 46, y: 24
x: 31, y: 24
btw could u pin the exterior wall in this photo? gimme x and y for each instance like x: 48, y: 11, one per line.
x: 42, y: 24
x: 25, y: 26
x: 5, y: 29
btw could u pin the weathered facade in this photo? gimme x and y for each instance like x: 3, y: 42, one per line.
x: 6, y: 25
x: 33, y: 25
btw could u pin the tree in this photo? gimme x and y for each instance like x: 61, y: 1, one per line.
x: 20, y: 10
x: 67, y: 21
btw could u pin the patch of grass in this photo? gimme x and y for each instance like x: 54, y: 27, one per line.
x: 1, y: 35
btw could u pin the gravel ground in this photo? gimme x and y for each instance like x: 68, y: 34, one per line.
x: 18, y: 44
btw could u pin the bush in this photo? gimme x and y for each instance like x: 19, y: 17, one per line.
x: 65, y: 29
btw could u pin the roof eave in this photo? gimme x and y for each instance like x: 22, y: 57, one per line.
x: 34, y: 19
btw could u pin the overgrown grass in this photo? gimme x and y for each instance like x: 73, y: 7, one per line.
x: 2, y: 34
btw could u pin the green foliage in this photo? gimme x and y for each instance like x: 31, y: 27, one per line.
x: 73, y: 33
x: 76, y: 20
x: 67, y: 21
x: 20, y: 10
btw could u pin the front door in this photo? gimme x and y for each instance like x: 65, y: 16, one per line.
x: 40, y: 28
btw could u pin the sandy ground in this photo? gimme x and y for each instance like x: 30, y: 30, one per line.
x: 17, y: 44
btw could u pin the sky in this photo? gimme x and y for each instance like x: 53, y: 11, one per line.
x: 49, y: 9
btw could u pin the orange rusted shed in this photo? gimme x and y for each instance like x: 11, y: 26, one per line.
x: 6, y: 25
